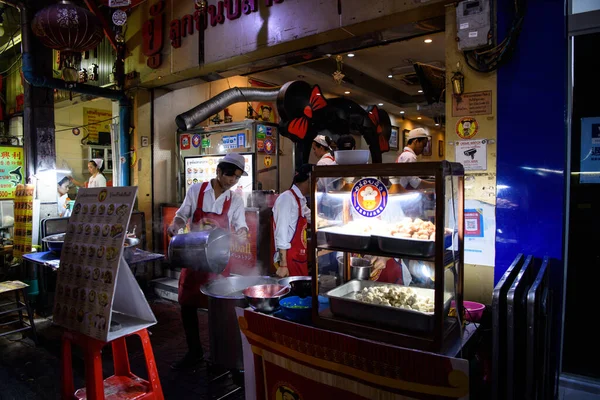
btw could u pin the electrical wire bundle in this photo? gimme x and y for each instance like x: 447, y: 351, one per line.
x: 489, y: 59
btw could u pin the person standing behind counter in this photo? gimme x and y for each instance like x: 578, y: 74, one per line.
x: 209, y: 205
x: 291, y: 216
x: 97, y: 178
x: 417, y: 140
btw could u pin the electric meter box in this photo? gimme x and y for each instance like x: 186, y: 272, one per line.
x: 473, y: 23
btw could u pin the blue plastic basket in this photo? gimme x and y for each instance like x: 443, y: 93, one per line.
x: 290, y: 311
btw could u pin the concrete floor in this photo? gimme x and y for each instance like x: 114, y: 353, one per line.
x: 30, y: 372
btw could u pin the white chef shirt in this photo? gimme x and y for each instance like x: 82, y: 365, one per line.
x: 285, y: 214
x: 62, y: 204
x: 97, y: 181
x: 408, y: 156
x: 236, y: 214
x: 324, y: 184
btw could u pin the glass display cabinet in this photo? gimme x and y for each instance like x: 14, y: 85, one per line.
x: 387, y: 241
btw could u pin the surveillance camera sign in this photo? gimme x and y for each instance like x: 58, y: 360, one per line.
x: 472, y: 154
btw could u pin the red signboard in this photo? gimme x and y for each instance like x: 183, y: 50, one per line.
x: 243, y: 258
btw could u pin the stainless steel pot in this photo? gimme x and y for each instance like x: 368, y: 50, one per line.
x: 224, y: 295
x: 206, y: 251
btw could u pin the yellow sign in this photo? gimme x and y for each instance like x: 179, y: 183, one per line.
x: 11, y: 170
x: 96, y: 120
x: 23, y: 229
x: 467, y: 127
x: 268, y: 161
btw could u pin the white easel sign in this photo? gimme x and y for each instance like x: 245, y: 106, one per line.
x: 96, y: 293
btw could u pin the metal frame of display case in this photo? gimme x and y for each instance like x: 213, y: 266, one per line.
x: 446, y: 330
x: 206, y: 131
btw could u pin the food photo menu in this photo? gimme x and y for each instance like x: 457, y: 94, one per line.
x: 90, y: 259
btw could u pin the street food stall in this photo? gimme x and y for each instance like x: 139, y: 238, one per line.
x: 367, y: 335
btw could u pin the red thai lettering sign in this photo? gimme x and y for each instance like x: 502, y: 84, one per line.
x: 152, y: 29
x: 243, y: 257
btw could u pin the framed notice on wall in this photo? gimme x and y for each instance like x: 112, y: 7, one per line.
x: 590, y: 150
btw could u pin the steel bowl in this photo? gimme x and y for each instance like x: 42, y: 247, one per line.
x: 55, y: 242
x: 301, y: 285
x: 129, y: 247
x: 261, y: 297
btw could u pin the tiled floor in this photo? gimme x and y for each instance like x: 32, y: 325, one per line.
x: 30, y: 372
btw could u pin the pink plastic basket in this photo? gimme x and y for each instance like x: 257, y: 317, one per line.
x: 473, y: 310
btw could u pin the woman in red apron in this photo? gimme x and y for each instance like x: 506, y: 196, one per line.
x: 229, y: 171
x: 291, y: 255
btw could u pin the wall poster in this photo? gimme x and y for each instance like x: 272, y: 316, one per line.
x: 472, y: 154
x: 480, y: 233
x: 95, y: 121
x: 11, y: 170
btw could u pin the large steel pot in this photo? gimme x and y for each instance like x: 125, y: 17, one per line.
x: 206, y: 251
x: 224, y: 295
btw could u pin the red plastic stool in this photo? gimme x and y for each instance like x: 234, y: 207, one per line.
x: 123, y: 385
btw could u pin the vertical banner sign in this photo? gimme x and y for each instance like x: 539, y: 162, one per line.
x: 90, y: 260
x: 23, y: 228
x: 590, y: 150
x: 244, y: 255
x: 11, y: 170
x: 96, y: 120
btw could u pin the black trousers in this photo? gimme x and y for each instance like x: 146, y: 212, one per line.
x: 189, y: 318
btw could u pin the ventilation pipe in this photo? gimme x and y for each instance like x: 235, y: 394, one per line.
x: 202, y: 111
x: 52, y: 83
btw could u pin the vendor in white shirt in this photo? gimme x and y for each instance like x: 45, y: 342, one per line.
x: 207, y: 205
x: 97, y: 178
x: 291, y: 217
x: 417, y: 140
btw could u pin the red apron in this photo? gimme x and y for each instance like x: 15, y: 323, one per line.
x: 297, y: 259
x: 190, y: 281
x: 392, y: 273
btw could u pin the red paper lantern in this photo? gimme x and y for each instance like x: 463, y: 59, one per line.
x: 70, y: 29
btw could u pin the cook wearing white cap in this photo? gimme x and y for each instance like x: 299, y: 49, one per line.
x: 97, y: 178
x: 321, y: 148
x: 207, y: 206
x: 417, y: 140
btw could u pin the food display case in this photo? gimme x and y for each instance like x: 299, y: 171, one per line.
x: 404, y: 224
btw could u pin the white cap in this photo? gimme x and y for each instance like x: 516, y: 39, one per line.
x: 99, y: 162
x: 236, y: 159
x: 418, y: 133
x: 321, y: 140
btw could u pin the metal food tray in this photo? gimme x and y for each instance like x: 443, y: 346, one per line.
x: 334, y: 238
x: 410, y: 247
x: 342, y: 302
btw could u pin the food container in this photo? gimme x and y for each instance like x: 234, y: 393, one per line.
x: 224, y: 295
x: 409, y: 247
x: 262, y: 297
x: 301, y: 285
x: 349, y: 157
x: 55, y: 242
x: 343, y: 303
x: 297, y: 308
x: 206, y: 251
x: 473, y: 311
x: 335, y: 237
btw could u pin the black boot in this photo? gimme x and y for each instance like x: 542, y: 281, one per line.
x: 189, y: 361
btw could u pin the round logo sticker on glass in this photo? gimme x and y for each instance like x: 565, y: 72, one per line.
x: 369, y: 197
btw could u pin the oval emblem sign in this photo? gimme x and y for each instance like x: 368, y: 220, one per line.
x: 369, y: 197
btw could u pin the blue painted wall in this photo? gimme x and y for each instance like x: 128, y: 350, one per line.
x: 531, y: 144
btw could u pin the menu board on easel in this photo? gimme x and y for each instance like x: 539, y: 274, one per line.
x: 90, y: 276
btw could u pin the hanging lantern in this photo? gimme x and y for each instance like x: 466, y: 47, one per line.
x: 71, y: 30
